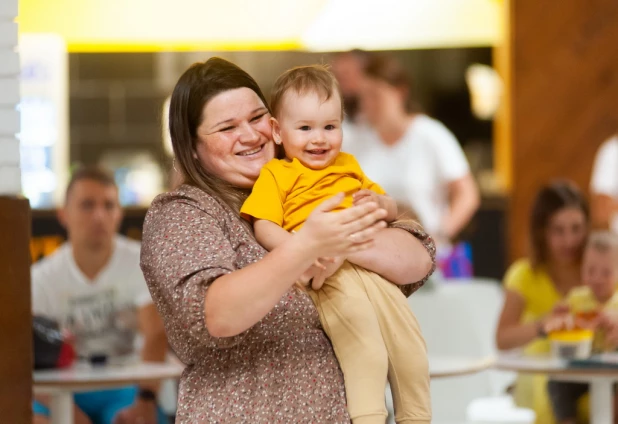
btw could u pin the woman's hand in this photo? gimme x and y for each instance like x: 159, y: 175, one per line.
x: 608, y: 321
x: 330, y: 234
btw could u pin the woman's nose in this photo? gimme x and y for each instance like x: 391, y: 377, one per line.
x: 248, y: 134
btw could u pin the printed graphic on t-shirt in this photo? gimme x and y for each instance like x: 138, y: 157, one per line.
x: 101, y: 324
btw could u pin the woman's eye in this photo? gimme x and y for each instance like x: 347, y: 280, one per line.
x: 257, y: 118
x: 227, y: 128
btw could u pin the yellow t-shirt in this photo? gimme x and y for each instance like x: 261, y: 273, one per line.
x: 286, y: 192
x: 540, y: 296
x: 581, y: 299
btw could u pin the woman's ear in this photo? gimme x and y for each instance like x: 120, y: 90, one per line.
x: 276, y: 130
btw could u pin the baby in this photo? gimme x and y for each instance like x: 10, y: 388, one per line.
x: 598, y: 295
x: 373, y: 332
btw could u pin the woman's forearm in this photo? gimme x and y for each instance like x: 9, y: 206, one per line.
x: 464, y: 202
x: 237, y: 301
x: 515, y: 336
x: 397, y: 256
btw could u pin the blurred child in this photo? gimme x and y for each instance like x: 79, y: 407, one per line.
x: 373, y: 331
x: 587, y: 306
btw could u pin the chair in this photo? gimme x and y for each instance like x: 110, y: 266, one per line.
x: 459, y: 318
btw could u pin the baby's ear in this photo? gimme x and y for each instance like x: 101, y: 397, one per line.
x: 276, y: 130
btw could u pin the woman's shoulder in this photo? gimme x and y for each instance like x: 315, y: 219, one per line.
x: 182, y: 200
x: 434, y: 132
x: 521, y: 274
x: 427, y: 125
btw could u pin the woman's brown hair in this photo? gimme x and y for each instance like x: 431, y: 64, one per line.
x: 389, y: 70
x: 549, y: 200
x: 195, y: 88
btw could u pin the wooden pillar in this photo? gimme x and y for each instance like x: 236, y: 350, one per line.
x: 15, y: 315
x: 559, y: 61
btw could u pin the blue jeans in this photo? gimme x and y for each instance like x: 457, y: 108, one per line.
x: 103, y: 405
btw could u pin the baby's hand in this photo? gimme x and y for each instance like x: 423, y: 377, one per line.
x: 365, y: 196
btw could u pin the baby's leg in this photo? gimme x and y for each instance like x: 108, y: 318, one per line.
x: 408, y: 371
x: 350, y: 322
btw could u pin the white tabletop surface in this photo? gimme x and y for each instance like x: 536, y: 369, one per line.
x: 547, y: 365
x: 451, y: 366
x: 85, y: 376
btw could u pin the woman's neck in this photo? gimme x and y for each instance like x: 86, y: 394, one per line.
x: 564, y: 276
x: 392, y: 129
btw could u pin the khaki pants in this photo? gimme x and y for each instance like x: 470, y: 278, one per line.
x: 375, y: 335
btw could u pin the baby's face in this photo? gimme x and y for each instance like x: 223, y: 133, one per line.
x: 599, y: 272
x: 310, y: 128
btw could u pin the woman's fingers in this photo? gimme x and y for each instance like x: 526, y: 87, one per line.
x: 354, y: 213
x: 372, y: 222
x: 330, y: 204
x: 367, y: 233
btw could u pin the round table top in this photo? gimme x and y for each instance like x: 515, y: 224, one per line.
x: 544, y: 364
x: 452, y: 366
x: 84, y: 377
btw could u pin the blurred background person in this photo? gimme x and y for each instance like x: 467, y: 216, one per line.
x: 93, y: 287
x: 348, y: 67
x: 536, y: 286
x: 604, y: 186
x: 414, y: 157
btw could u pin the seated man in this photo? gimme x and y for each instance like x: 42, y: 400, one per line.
x: 94, y: 288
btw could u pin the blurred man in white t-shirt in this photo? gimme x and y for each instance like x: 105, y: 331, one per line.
x: 94, y: 288
x: 604, y: 186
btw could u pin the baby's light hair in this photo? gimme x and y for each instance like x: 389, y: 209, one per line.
x: 303, y: 80
x: 603, y: 241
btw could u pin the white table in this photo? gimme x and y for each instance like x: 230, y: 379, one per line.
x: 61, y: 384
x: 601, y: 380
x: 453, y: 366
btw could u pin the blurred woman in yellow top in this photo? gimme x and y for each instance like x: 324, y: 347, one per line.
x: 536, y: 286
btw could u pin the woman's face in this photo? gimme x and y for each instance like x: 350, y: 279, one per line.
x: 566, y: 234
x: 378, y: 100
x: 235, y: 137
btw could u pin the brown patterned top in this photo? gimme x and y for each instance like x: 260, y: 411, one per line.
x: 282, y: 370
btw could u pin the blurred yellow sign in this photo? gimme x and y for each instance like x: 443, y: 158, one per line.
x: 211, y: 25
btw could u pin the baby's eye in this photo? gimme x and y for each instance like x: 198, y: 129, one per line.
x: 305, y: 128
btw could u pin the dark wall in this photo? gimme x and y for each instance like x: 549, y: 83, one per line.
x: 116, y: 99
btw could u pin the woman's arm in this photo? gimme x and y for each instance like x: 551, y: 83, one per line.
x: 396, y: 255
x: 238, y: 300
x: 464, y: 200
x: 511, y: 333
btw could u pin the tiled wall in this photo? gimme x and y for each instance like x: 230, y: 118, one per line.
x: 9, y: 97
x: 116, y: 99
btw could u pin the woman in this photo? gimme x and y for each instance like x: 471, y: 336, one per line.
x: 536, y: 286
x: 250, y: 338
x: 604, y: 186
x: 415, y: 158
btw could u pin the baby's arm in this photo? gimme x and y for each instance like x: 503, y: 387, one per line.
x: 269, y: 234
x: 384, y: 200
